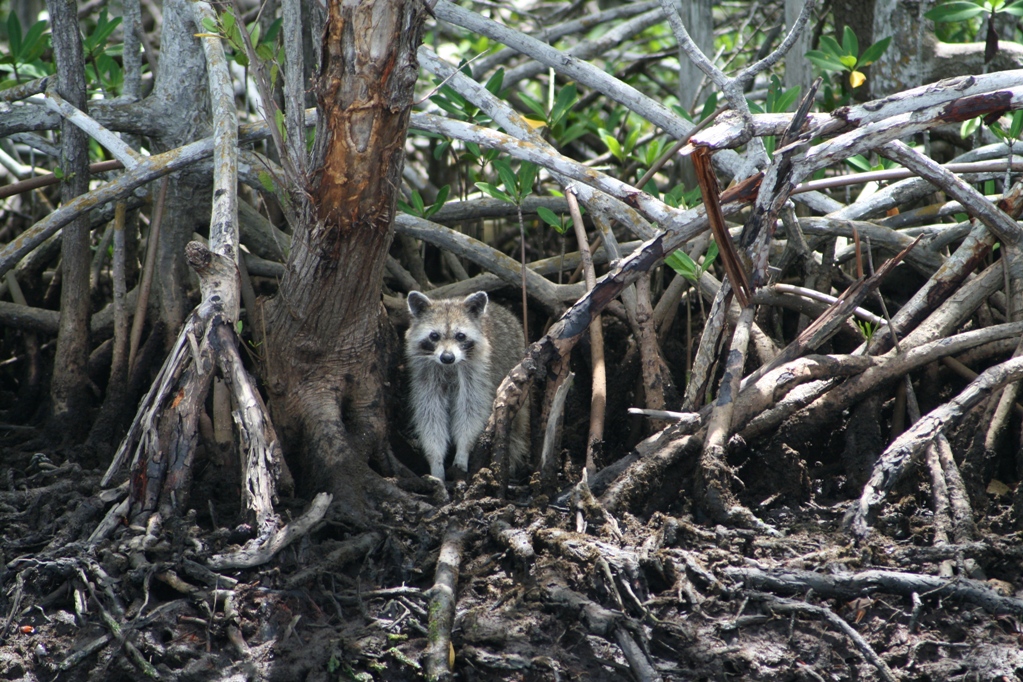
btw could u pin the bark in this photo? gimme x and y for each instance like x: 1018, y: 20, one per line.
x: 326, y: 339
x: 180, y: 87
x: 798, y: 71
x: 700, y: 23
x: 915, y: 55
x: 69, y: 390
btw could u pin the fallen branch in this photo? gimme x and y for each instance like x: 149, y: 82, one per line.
x: 440, y: 652
x: 260, y: 550
x: 852, y: 585
x: 893, y: 461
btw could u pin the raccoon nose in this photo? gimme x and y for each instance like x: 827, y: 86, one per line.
x: 447, y: 357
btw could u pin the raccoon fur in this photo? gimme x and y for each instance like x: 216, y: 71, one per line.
x: 458, y: 352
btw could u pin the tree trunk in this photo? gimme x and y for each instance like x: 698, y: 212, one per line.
x: 326, y: 332
x: 70, y: 388
x: 180, y: 87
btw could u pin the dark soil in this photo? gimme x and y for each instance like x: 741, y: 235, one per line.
x: 699, y: 602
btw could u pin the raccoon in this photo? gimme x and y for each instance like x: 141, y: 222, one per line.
x: 458, y: 352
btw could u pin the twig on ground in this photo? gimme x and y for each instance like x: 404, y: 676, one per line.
x: 440, y: 652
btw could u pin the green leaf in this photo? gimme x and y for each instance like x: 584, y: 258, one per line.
x: 653, y: 152
x: 831, y: 47
x: 441, y: 150
x: 508, y: 177
x: 33, y: 44
x: 1015, y: 9
x: 710, y: 105
x: 612, y: 144
x: 442, y: 196
x: 680, y: 262
x: 210, y: 25
x: 98, y: 38
x: 445, y: 104
x: 534, y: 105
x: 567, y: 96
x: 549, y: 217
x: 238, y: 326
x: 58, y: 173
x: 676, y: 197
x: 271, y: 33
x: 957, y: 10
x: 14, y: 33
x: 1017, y: 124
x: 494, y: 82
x: 848, y: 61
x: 417, y: 202
x: 824, y: 61
x: 630, y: 140
x: 279, y: 120
x: 254, y: 32
x: 850, y: 45
x: 487, y: 188
x: 859, y: 162
x: 572, y: 133
x: 874, y: 52
x: 969, y: 127
x: 710, y: 256
x: 682, y: 112
x: 527, y: 176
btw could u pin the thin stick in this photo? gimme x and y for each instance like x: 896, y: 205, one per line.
x: 147, y: 276
x: 440, y: 653
x: 598, y: 401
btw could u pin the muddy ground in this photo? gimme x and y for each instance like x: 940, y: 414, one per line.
x: 562, y: 590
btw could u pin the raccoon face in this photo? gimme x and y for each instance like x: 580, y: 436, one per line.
x: 445, y: 331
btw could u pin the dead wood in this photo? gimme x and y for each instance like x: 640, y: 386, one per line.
x: 782, y: 605
x: 894, y: 460
x: 273, y: 539
x: 553, y: 416
x: 440, y: 654
x: 853, y: 585
x: 598, y: 392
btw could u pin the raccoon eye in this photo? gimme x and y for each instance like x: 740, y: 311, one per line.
x: 460, y: 336
x: 435, y: 336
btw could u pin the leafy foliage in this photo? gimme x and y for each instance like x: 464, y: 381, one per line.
x: 516, y: 186
x: 415, y: 206
x: 265, y: 45
x: 964, y: 10
x: 845, y: 58
x: 680, y: 262
x: 22, y: 61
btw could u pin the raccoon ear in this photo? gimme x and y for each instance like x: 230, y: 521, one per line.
x: 476, y: 304
x: 417, y: 303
